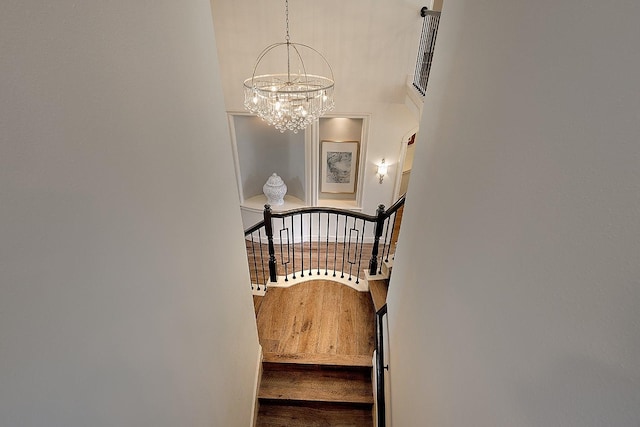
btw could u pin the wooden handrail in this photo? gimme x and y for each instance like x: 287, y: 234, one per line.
x: 297, y: 226
x: 253, y: 228
x: 380, y: 367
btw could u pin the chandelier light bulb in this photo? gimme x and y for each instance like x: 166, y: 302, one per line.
x: 289, y: 100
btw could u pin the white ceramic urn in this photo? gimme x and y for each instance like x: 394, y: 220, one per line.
x: 275, y: 189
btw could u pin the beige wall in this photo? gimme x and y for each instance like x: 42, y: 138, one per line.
x: 515, y: 292
x: 123, y: 286
x: 371, y: 47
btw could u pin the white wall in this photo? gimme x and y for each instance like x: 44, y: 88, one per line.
x: 516, y: 289
x: 263, y: 150
x: 371, y: 46
x: 124, y: 295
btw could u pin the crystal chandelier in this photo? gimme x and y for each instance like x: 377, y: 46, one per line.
x: 291, y: 100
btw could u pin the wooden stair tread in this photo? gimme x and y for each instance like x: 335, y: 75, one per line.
x: 313, y: 415
x: 320, y: 359
x: 316, y: 384
x: 379, y: 289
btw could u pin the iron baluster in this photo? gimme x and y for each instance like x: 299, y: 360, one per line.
x: 373, y: 262
x: 293, y: 248
x: 335, y: 250
x: 268, y: 226
x: 264, y: 277
x: 301, y: 247
x: 344, y: 244
x: 318, y: 243
x: 326, y: 256
x: 364, y: 226
x: 255, y: 263
x: 310, y: 245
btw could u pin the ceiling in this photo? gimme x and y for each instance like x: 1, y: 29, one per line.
x: 371, y: 45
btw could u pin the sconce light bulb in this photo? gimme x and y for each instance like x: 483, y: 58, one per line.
x: 382, y: 170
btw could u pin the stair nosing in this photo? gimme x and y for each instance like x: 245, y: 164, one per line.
x: 367, y: 401
x: 308, y: 360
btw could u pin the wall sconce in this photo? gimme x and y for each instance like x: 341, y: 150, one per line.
x: 382, y: 171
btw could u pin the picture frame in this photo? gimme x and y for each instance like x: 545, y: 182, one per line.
x: 339, y: 166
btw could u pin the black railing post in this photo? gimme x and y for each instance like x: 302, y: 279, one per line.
x: 268, y: 227
x: 380, y: 366
x: 352, y: 255
x: 373, y: 263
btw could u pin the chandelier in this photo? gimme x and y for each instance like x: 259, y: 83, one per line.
x: 291, y: 100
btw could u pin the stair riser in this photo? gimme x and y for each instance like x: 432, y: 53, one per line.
x: 312, y: 414
x: 315, y: 368
x: 288, y: 382
x: 315, y: 404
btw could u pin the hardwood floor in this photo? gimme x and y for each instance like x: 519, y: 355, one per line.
x: 316, y: 318
x: 314, y: 416
x: 310, y: 258
x: 318, y: 341
x: 321, y: 257
x: 316, y: 384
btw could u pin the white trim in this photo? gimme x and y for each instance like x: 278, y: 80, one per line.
x: 314, y: 239
x: 310, y: 176
x: 316, y: 200
x: 256, y: 405
x: 374, y: 384
x: 363, y: 286
x: 414, y: 101
x: 364, y: 144
x: 387, y: 266
x: 256, y: 204
x: 382, y: 276
x: 314, y: 162
x: 404, y: 146
x: 256, y: 292
x: 236, y: 159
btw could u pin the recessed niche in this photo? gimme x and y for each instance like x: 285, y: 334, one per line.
x: 263, y: 150
x: 331, y: 133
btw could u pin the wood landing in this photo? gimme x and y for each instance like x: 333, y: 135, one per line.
x: 316, y: 318
x: 317, y: 339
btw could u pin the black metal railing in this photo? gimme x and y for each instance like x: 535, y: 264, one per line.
x: 317, y: 241
x: 380, y: 366
x: 425, y: 50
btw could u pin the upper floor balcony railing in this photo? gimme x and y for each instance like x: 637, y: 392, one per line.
x: 321, y: 242
x: 425, y: 50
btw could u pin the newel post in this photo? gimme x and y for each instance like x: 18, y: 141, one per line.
x: 373, y: 263
x: 268, y: 226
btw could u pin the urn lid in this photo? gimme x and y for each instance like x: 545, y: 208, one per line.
x: 274, y: 181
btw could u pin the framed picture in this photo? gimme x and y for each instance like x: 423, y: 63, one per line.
x: 339, y: 166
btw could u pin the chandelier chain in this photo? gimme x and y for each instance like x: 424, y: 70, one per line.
x: 286, y: 12
x: 291, y: 100
x: 287, y: 38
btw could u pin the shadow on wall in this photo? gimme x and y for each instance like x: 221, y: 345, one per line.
x: 579, y: 390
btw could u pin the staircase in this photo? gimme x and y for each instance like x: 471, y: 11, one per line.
x: 318, y: 340
x: 318, y: 335
x: 379, y: 289
x: 328, y: 388
x: 321, y: 392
